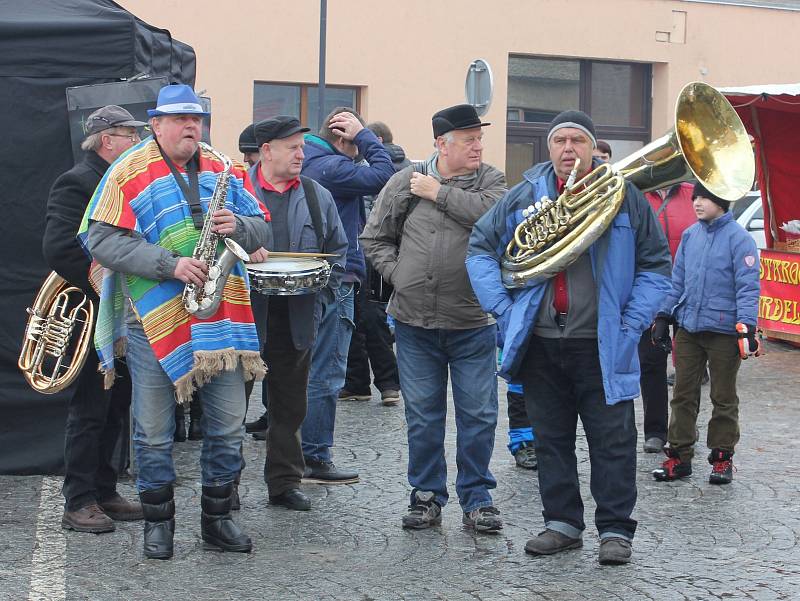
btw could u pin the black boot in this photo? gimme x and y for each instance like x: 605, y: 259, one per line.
x: 195, y: 415
x: 158, y: 507
x: 180, y: 425
x: 218, y: 529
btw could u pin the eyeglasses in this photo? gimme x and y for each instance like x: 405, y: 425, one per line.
x: 132, y: 137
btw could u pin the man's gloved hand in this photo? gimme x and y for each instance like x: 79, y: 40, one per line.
x: 749, y: 345
x: 659, y: 333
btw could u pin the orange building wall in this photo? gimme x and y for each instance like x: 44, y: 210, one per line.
x: 411, y: 56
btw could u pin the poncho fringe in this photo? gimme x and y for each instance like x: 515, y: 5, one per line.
x: 207, y: 364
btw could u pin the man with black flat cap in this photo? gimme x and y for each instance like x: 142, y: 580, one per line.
x: 248, y: 145
x: 416, y: 237
x: 304, y: 219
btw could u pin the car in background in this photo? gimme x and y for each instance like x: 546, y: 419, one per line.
x: 749, y: 213
x: 738, y: 207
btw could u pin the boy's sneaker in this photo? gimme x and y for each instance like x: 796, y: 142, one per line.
x: 525, y: 456
x: 673, y: 468
x: 483, y: 519
x: 721, y: 466
x: 424, y: 512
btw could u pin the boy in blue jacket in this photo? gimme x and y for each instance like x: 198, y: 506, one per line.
x: 715, y: 287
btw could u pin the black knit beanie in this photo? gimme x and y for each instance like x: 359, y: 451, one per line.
x: 701, y: 190
x: 576, y: 119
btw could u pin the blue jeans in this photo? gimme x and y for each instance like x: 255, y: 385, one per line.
x: 562, y: 381
x: 423, y: 358
x: 153, y: 403
x: 328, y: 369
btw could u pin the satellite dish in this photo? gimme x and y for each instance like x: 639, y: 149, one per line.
x: 479, y: 85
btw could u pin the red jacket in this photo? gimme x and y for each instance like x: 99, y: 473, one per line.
x: 677, y: 215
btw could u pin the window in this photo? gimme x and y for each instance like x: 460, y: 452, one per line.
x: 300, y: 100
x: 615, y: 94
x: 539, y: 89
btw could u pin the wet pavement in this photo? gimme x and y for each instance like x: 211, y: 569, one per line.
x: 695, y: 541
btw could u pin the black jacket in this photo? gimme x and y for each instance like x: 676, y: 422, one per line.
x: 66, y: 205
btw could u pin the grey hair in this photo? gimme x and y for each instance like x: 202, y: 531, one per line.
x: 448, y: 138
x: 93, y: 141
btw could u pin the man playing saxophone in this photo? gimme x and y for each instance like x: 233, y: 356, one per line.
x: 142, y: 226
x: 572, y: 342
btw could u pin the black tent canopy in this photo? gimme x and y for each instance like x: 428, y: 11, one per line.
x: 46, y: 47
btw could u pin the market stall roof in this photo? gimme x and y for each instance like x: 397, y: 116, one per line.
x: 781, y: 89
x: 771, y: 114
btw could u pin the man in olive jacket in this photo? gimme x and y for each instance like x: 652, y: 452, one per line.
x: 416, y: 237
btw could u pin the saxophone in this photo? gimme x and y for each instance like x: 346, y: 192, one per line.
x: 203, y: 301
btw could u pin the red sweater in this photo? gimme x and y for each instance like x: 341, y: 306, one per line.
x: 678, y: 214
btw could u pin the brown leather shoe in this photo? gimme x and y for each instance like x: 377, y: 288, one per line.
x: 87, y: 519
x: 122, y: 510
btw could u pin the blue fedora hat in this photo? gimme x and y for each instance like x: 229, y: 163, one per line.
x: 177, y: 99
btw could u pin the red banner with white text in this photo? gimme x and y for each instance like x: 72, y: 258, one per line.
x: 779, y: 304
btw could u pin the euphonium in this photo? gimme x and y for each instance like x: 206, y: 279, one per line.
x: 50, y: 359
x: 708, y: 143
x: 203, y: 301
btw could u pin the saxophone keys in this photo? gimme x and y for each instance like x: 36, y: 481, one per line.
x: 209, y: 287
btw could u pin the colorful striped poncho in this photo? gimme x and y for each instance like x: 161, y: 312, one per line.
x: 139, y: 193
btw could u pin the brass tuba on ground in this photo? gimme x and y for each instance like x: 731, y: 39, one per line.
x: 708, y: 143
x: 51, y: 359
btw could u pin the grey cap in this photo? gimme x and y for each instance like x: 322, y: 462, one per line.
x: 108, y: 117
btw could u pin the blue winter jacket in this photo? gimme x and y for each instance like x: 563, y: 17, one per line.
x: 348, y: 182
x: 631, y: 266
x: 715, y: 279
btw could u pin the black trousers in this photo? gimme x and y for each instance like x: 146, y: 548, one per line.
x: 259, y: 304
x: 371, y: 345
x: 562, y: 381
x: 94, y: 421
x: 653, y: 382
x: 517, y: 412
x: 287, y: 382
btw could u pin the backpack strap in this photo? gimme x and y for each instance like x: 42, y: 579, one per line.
x: 417, y: 167
x: 312, y: 200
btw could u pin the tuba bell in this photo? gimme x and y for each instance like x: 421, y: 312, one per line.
x: 51, y: 359
x: 708, y: 143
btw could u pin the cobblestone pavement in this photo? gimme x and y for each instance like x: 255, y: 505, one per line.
x: 695, y: 540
